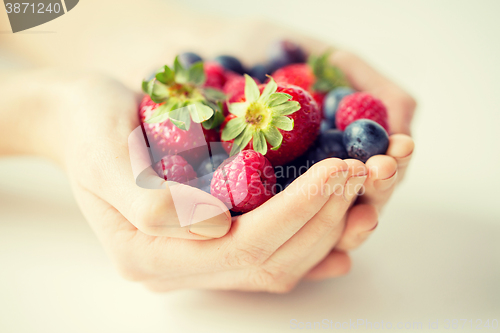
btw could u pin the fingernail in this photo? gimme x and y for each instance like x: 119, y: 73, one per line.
x: 353, y: 186
x: 385, y: 184
x: 209, y: 221
x: 335, y: 182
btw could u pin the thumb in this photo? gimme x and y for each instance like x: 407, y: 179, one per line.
x: 125, y: 179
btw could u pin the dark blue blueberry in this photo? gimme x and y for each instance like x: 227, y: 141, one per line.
x: 285, y: 52
x: 188, y: 58
x: 230, y: 63
x: 332, y: 100
x: 259, y: 71
x: 326, y: 125
x: 365, y: 138
x: 211, y: 163
x: 206, y: 170
x: 328, y: 144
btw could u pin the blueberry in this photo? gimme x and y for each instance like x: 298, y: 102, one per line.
x: 211, y: 163
x: 259, y: 71
x: 328, y: 144
x: 285, y: 52
x: 207, y: 167
x: 332, y: 100
x: 188, y: 58
x: 365, y: 138
x: 230, y: 63
x: 326, y: 125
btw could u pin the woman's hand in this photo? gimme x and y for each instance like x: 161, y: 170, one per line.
x: 84, y: 122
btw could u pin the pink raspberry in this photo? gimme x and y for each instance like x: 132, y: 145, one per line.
x: 244, y: 181
x: 361, y: 106
x: 175, y: 168
x: 215, y: 73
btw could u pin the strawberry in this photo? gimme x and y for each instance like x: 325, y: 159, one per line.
x: 317, y: 76
x: 216, y: 75
x: 361, y: 106
x: 278, y: 121
x: 176, y: 98
x: 168, y: 139
x: 234, y: 87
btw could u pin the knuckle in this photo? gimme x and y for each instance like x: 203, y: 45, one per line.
x: 273, y: 280
x: 150, y: 219
x: 246, y: 255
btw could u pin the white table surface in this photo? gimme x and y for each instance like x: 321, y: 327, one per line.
x: 435, y: 255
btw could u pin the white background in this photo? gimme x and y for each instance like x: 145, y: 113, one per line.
x: 435, y: 255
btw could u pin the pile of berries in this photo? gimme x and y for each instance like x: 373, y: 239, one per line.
x: 235, y: 125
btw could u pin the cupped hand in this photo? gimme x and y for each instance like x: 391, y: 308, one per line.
x: 268, y: 249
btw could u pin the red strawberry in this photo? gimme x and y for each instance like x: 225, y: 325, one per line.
x: 244, y: 182
x: 175, y: 168
x: 167, y: 139
x: 361, y: 106
x: 279, y: 121
x: 177, y: 102
x: 234, y: 87
x: 317, y: 77
x: 300, y: 75
x: 215, y: 73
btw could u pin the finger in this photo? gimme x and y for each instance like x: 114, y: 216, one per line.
x: 382, y: 176
x: 158, y: 210
x: 335, y: 264
x: 361, y: 222
x: 307, y: 246
x: 400, y: 105
x: 401, y: 149
x: 276, y: 221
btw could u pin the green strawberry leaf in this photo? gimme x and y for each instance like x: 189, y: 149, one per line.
x: 238, y: 109
x: 160, y: 114
x: 181, y: 118
x: 181, y: 74
x: 147, y: 86
x: 214, y: 94
x: 166, y: 76
x: 284, y: 123
x: 158, y: 91
x: 259, y: 142
x: 269, y: 90
x: 241, y: 141
x: 278, y: 98
x: 233, y: 128
x: 327, y: 76
x: 196, y: 74
x: 200, y: 112
x: 286, y: 108
x: 252, y: 92
x: 214, y: 121
x: 274, y: 137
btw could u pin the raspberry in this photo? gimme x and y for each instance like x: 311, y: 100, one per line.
x: 361, y: 106
x: 175, y: 168
x: 244, y: 181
